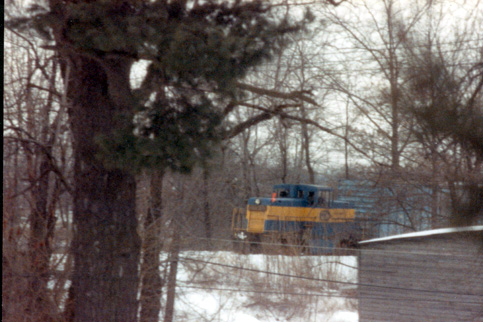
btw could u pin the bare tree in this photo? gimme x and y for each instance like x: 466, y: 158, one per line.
x: 444, y: 82
x: 37, y: 153
x: 377, y: 52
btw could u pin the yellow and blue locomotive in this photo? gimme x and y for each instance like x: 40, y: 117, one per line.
x: 297, y: 214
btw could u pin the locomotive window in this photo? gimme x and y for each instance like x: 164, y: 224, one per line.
x: 311, y: 198
x: 283, y: 193
x: 300, y: 194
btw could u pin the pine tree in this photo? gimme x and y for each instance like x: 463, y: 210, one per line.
x: 195, y: 55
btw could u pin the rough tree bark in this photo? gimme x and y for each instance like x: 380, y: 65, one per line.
x: 42, y: 223
x: 106, y: 246
x: 206, y: 206
x: 152, y: 282
x: 306, y: 146
x: 173, y: 272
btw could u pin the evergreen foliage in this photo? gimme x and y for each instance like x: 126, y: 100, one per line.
x: 440, y: 108
x: 448, y: 109
x: 196, y: 53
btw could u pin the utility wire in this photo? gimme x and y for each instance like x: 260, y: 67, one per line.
x: 328, y: 294
x: 182, y: 258
x: 401, y: 59
x: 447, y: 43
x: 387, y: 298
x: 350, y: 71
x: 355, y: 284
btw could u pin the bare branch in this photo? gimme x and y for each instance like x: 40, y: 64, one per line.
x: 44, y: 150
x: 294, y: 96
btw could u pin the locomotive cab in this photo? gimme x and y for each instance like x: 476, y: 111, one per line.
x: 307, y: 196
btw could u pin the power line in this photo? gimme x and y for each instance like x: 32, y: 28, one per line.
x: 355, y: 284
x: 350, y: 71
x: 387, y: 298
x: 264, y: 292
x: 371, y: 59
x: 327, y: 280
x: 448, y: 43
x: 328, y: 294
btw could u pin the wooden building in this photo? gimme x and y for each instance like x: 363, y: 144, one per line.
x: 434, y: 275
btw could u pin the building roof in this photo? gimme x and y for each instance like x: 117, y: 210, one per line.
x: 425, y: 233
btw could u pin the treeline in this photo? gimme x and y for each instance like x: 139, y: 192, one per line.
x: 131, y: 128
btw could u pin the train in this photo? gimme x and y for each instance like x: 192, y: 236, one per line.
x: 304, y: 217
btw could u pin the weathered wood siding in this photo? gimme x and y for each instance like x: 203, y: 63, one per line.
x: 432, y: 278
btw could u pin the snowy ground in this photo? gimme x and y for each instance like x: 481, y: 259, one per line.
x: 230, y: 287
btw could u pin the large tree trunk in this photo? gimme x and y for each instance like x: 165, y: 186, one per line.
x: 42, y: 221
x: 206, y: 207
x: 152, y: 283
x: 173, y: 272
x: 306, y: 146
x: 106, y: 245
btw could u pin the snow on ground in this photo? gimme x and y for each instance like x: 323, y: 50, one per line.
x: 230, y: 287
